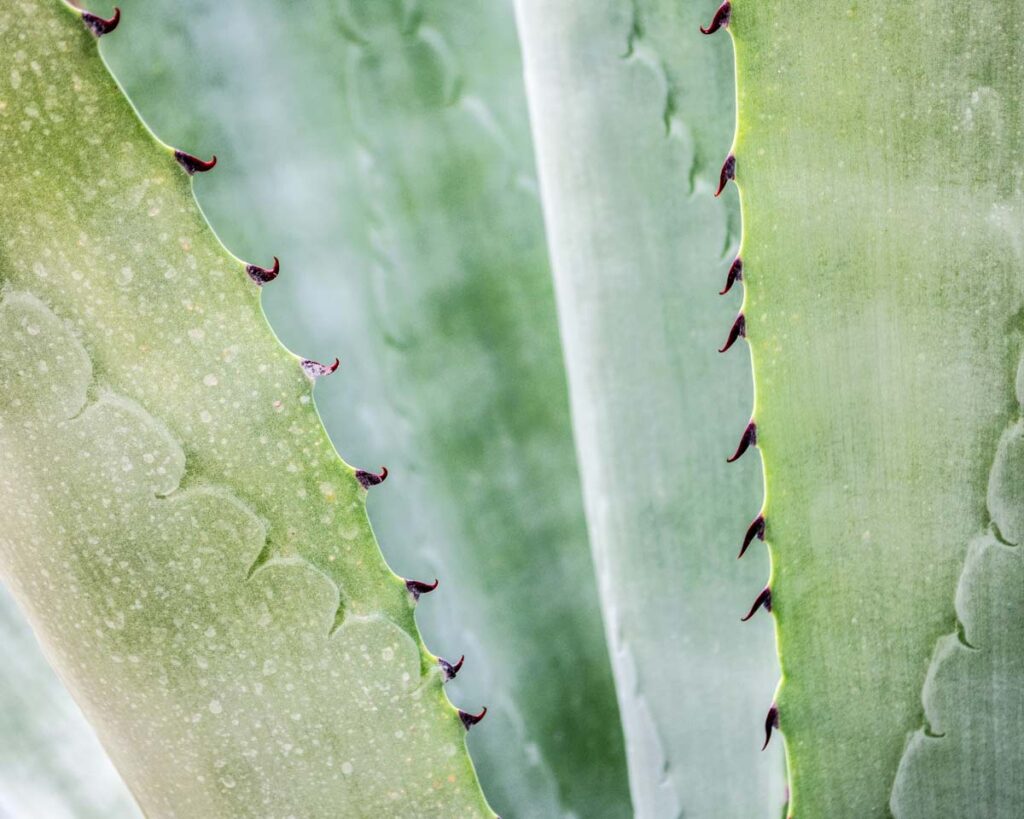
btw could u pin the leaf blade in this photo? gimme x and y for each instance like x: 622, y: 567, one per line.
x: 626, y: 102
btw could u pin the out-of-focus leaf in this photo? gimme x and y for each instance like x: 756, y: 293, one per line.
x: 51, y: 764
x: 632, y: 115
x: 381, y: 150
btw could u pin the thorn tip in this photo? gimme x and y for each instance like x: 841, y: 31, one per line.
x: 469, y: 720
x: 728, y: 172
x: 749, y: 438
x: 418, y: 587
x: 448, y: 670
x: 756, y: 529
x: 262, y: 275
x: 770, y: 722
x: 368, y: 479
x: 720, y: 20
x: 193, y: 164
x: 735, y: 275
x: 763, y: 599
x: 315, y: 370
x: 738, y: 330
x: 97, y: 25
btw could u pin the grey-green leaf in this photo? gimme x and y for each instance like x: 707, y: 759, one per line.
x: 51, y: 764
x: 968, y: 759
x: 381, y: 150
x: 187, y: 544
x: 628, y: 104
x: 878, y: 160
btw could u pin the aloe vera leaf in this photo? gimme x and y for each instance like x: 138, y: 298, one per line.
x: 51, y: 764
x: 188, y: 546
x: 877, y: 164
x: 393, y: 177
x: 967, y: 758
x: 627, y: 102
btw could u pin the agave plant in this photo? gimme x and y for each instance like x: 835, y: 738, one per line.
x: 550, y: 361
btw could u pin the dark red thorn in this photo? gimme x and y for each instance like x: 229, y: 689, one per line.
x: 720, y: 20
x: 738, y: 329
x: 97, y: 25
x: 728, y: 172
x: 770, y: 722
x: 735, y: 275
x: 368, y: 479
x: 418, y: 587
x: 262, y: 275
x: 448, y: 670
x: 763, y: 599
x: 314, y: 369
x: 469, y: 720
x: 749, y: 437
x: 756, y: 529
x: 193, y: 164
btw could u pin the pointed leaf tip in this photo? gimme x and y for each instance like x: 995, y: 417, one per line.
x: 262, y: 275
x: 193, y: 164
x: 99, y: 26
x: 368, y: 479
x: 469, y: 720
x: 720, y: 20
x: 749, y: 437
x: 418, y: 587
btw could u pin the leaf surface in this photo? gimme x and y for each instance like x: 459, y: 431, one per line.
x: 188, y: 545
x: 631, y: 111
x: 51, y: 763
x: 967, y: 760
x: 878, y: 164
x: 381, y: 150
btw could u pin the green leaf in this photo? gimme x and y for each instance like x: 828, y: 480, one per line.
x: 878, y: 164
x: 630, y: 107
x: 381, y: 150
x: 190, y: 549
x: 967, y: 759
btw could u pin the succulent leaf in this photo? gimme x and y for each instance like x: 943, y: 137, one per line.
x: 381, y: 150
x: 966, y: 759
x: 51, y: 763
x: 630, y: 107
x: 878, y: 165
x: 190, y: 549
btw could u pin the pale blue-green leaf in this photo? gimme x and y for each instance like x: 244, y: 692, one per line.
x: 632, y: 115
x: 51, y: 764
x: 381, y: 150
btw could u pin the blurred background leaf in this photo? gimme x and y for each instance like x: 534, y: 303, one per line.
x: 633, y: 114
x: 51, y: 763
x: 381, y: 150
